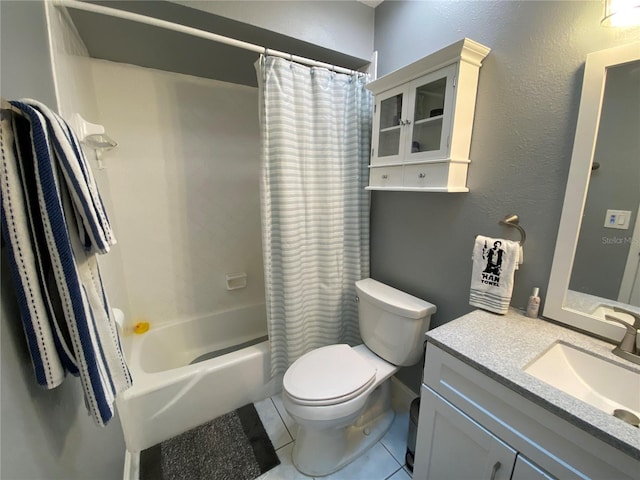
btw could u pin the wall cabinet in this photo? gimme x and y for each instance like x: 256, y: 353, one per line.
x: 472, y: 427
x: 423, y: 120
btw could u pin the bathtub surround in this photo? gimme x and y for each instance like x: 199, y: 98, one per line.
x: 315, y: 129
x: 234, y: 445
x: 54, y: 225
x: 193, y: 143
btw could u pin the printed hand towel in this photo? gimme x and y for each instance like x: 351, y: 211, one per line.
x: 494, y: 263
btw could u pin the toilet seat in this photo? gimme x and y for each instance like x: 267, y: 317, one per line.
x: 328, y: 376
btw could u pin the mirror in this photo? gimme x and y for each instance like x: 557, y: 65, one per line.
x: 597, y: 256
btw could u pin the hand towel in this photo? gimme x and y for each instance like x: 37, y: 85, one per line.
x: 494, y: 263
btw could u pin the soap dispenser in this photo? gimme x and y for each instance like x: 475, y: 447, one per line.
x: 534, y: 304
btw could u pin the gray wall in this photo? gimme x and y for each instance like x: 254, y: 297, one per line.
x: 524, y: 126
x: 601, y: 254
x: 342, y: 25
x: 334, y: 32
x: 44, y: 434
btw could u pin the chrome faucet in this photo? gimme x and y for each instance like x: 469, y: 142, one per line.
x: 627, y: 348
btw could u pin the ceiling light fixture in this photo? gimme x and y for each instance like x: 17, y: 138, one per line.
x: 621, y: 13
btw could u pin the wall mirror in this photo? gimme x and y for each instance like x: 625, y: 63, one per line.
x: 597, y: 256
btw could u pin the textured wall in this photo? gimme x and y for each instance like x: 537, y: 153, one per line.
x: 524, y: 126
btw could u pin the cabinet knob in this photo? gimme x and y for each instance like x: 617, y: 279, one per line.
x: 384, y: 176
x: 402, y: 122
x: 422, y: 175
x: 408, y: 122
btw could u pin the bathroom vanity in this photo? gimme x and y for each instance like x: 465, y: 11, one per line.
x: 485, y: 412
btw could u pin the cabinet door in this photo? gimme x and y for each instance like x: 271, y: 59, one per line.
x: 526, y: 470
x: 451, y: 445
x: 388, y: 122
x: 430, y: 113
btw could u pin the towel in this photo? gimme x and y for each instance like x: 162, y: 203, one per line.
x: 54, y: 225
x: 494, y: 263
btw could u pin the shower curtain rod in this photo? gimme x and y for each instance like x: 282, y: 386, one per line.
x: 135, y: 17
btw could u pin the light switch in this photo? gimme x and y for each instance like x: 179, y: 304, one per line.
x: 617, y: 219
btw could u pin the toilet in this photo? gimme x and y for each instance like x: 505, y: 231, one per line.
x: 340, y: 396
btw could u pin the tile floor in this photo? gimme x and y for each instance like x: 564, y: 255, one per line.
x: 384, y: 461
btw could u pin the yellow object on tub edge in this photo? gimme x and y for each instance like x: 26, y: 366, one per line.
x: 141, y: 327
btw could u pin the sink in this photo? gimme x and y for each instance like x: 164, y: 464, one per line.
x: 598, y: 381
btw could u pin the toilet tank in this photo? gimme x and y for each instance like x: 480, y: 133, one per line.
x: 392, y: 322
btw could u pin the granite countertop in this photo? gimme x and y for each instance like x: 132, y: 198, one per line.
x: 500, y: 346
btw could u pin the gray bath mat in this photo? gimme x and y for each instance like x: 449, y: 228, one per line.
x: 234, y: 446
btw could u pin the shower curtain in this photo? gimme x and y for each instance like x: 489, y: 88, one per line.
x: 316, y: 138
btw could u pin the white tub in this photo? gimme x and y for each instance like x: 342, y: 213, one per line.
x: 170, y: 396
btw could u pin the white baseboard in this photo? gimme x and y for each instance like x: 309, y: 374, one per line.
x: 401, y: 395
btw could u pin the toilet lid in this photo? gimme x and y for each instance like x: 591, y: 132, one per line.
x: 328, y: 375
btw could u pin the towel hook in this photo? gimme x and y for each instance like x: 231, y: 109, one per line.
x: 513, y: 220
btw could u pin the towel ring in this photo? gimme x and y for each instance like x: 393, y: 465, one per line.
x: 514, y: 221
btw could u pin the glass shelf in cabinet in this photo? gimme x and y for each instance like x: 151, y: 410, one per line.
x: 435, y: 120
x: 389, y: 129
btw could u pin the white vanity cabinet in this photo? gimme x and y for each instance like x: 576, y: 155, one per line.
x: 460, y: 447
x: 472, y: 427
x: 423, y: 120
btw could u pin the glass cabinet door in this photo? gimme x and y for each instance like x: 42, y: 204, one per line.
x: 427, y: 118
x: 431, y: 112
x: 389, y: 129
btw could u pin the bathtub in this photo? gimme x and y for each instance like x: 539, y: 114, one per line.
x: 170, y: 394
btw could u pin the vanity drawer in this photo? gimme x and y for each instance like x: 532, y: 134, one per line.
x: 385, y: 176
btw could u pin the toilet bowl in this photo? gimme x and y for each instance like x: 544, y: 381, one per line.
x: 340, y: 396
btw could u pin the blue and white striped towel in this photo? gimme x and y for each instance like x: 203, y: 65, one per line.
x: 494, y: 264
x: 54, y: 224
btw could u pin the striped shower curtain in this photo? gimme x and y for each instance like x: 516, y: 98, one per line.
x: 316, y: 135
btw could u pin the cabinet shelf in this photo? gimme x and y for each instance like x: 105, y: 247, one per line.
x: 437, y: 119
x: 443, y: 83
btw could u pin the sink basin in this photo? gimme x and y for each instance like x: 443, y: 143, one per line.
x: 600, y: 382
